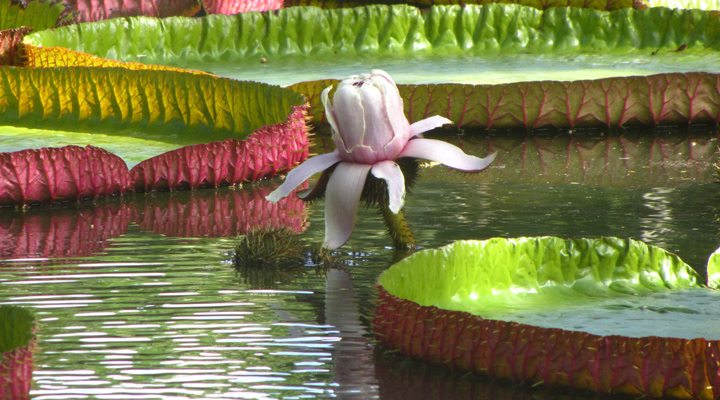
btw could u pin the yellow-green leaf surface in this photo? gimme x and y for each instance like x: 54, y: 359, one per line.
x: 38, y: 14
x: 494, y: 43
x: 149, y: 111
x: 16, y: 328
x: 542, y: 4
x: 595, y: 284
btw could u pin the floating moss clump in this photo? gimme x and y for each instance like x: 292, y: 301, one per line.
x: 275, y: 248
x: 265, y: 258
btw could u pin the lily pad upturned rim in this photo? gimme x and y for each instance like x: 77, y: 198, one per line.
x: 395, y: 30
x: 646, y: 366
x: 470, y: 270
x: 314, y: 33
x: 207, y: 113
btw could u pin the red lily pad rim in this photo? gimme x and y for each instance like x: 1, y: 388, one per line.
x: 647, y: 366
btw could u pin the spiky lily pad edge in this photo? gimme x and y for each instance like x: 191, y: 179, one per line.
x: 72, y: 172
x: 268, y: 151
x: 407, y: 318
x: 661, y: 99
x: 541, y: 4
x: 389, y: 31
x: 195, y: 108
x: 649, y: 366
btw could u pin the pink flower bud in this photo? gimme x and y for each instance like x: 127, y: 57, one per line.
x: 367, y: 118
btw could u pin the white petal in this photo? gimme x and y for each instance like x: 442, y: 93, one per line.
x: 384, y: 75
x: 427, y: 124
x: 393, y: 176
x: 301, y: 173
x: 349, y: 115
x: 325, y: 99
x: 342, y: 197
x: 445, y: 153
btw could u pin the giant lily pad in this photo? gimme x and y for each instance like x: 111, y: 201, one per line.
x: 598, y: 314
x: 313, y: 37
x: 542, y: 4
x: 17, y: 327
x: 677, y: 98
x: 596, y: 50
x: 239, y: 131
x: 36, y: 14
x: 230, y: 7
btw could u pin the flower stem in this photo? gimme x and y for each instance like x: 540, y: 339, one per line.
x: 398, y: 228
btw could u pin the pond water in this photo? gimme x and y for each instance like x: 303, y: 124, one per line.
x: 137, y: 297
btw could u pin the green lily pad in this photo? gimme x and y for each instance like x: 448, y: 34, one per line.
x: 296, y: 39
x: 598, y: 314
x: 16, y: 328
x: 150, y: 111
x: 132, y: 149
x: 523, y: 278
x: 452, y: 44
x: 157, y: 110
x: 713, y: 269
x: 596, y: 4
x: 37, y: 14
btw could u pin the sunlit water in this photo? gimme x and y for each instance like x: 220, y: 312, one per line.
x: 138, y: 299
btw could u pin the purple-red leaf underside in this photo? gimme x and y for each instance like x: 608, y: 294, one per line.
x: 663, y: 99
x: 268, y: 151
x: 231, y: 7
x: 647, y: 366
x: 95, y: 10
x: 16, y: 372
x: 11, y: 45
x: 66, y: 173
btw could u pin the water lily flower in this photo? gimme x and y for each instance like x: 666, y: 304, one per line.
x: 370, y: 132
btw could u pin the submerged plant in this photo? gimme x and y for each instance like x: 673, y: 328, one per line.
x: 371, y: 132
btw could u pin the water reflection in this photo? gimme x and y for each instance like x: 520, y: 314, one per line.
x: 658, y: 225
x: 217, y: 213
x: 61, y: 231
x: 84, y: 228
x: 145, y: 304
x: 595, y: 158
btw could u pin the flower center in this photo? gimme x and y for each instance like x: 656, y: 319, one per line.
x: 358, y: 83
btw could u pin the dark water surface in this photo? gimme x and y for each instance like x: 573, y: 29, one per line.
x: 137, y: 298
